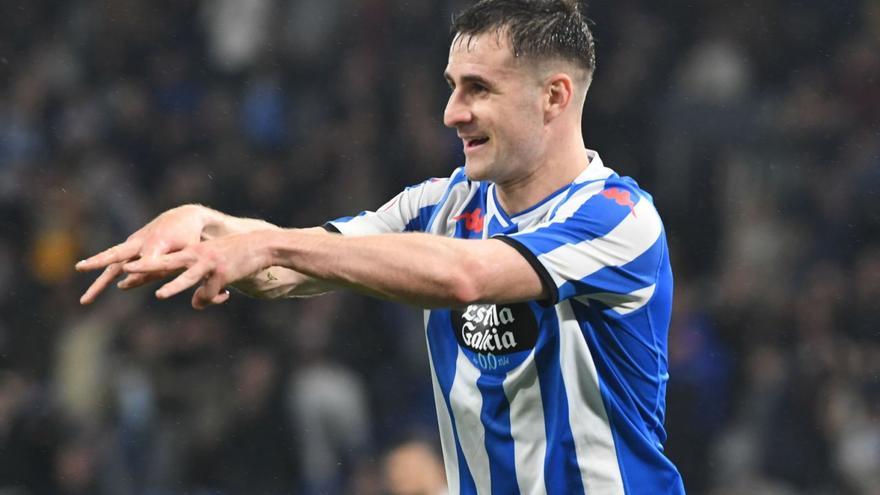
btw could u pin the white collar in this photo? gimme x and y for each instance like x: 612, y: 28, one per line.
x: 596, y: 170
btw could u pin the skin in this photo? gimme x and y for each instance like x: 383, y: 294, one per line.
x: 529, y: 111
x: 413, y: 469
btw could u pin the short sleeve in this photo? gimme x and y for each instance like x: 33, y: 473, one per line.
x: 605, y: 241
x: 409, y: 211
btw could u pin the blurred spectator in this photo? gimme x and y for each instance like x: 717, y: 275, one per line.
x: 414, y: 468
x: 327, y: 403
x: 237, y: 31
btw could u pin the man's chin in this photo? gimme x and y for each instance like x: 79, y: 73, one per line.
x: 476, y: 171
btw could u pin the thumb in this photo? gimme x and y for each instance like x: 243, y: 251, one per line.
x: 221, y: 298
x: 200, y: 301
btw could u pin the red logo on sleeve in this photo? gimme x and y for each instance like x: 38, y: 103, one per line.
x: 473, y: 221
x: 621, y: 197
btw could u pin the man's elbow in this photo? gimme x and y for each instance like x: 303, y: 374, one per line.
x: 466, y: 283
x: 494, y: 277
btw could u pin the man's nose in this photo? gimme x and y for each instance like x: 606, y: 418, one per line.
x: 457, y: 112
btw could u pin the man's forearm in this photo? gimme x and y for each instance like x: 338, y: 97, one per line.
x: 274, y: 282
x: 278, y: 282
x: 421, y: 269
x: 218, y: 224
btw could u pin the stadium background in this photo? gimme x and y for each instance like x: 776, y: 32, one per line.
x: 756, y: 126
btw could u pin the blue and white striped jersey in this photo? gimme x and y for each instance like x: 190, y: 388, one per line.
x: 561, y: 396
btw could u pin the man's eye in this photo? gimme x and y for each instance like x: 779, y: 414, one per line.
x: 480, y: 89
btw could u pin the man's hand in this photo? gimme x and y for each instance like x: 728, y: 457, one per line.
x: 214, y: 264
x: 169, y: 232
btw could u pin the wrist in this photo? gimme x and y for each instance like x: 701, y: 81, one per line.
x: 268, y: 247
x: 285, y: 247
x: 212, y: 222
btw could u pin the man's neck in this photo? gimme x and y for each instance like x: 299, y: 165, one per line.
x: 558, y: 170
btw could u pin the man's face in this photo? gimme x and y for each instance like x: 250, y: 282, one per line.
x: 496, y: 107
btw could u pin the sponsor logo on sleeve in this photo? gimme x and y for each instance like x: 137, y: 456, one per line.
x: 620, y: 196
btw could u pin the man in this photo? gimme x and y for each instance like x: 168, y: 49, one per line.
x: 413, y: 468
x: 548, y: 273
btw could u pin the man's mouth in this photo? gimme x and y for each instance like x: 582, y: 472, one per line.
x: 473, y: 143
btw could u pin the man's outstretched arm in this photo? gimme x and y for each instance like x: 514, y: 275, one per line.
x: 420, y: 269
x: 178, y: 228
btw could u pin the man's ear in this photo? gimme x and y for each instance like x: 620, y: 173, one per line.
x: 558, y: 95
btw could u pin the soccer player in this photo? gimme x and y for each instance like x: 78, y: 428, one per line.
x: 547, y: 273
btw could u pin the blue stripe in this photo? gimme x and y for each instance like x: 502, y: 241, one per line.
x: 630, y: 381
x: 348, y: 219
x: 444, y: 354
x: 595, y: 218
x: 457, y: 177
x: 503, y: 214
x: 637, y: 274
x: 577, y: 187
x: 418, y: 223
x: 495, y: 416
x: 629, y: 348
x: 496, y: 228
x: 562, y: 474
x: 641, y: 465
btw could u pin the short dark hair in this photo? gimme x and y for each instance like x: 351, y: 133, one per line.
x: 535, y: 28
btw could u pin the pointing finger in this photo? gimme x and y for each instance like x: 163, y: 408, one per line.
x: 185, y: 280
x: 118, y: 253
x: 166, y: 263
x: 134, y: 280
x: 101, y: 283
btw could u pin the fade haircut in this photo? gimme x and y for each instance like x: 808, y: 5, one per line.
x: 537, y: 29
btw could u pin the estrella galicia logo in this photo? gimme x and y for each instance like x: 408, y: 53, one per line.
x: 496, y: 328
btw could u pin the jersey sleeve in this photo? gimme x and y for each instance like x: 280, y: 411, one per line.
x: 604, y: 241
x: 409, y: 211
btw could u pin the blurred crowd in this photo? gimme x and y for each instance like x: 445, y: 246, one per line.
x: 755, y: 125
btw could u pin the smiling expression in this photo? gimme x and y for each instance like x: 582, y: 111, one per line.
x: 496, y: 108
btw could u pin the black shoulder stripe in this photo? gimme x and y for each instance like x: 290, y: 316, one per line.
x: 542, y: 272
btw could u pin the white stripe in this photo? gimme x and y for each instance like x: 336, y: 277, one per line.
x: 447, y: 435
x: 622, y: 304
x: 494, y: 210
x: 567, y: 209
x: 532, y: 219
x: 394, y: 215
x: 632, y: 237
x: 459, y: 197
x: 369, y: 224
x: 467, y: 402
x: 594, y: 443
x: 574, y: 203
x: 523, y: 391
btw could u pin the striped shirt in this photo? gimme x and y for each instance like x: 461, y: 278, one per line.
x: 560, y: 396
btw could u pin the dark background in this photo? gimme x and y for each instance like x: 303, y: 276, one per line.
x: 756, y: 125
